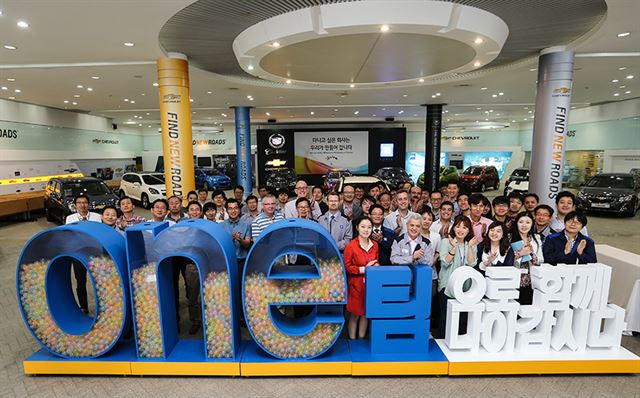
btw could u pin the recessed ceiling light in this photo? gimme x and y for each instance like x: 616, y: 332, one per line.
x: 513, y: 121
x: 74, y: 103
x: 335, y: 110
x: 437, y: 94
x: 89, y: 89
x: 147, y: 114
x: 209, y: 92
x: 79, y: 86
x: 490, y: 110
x: 400, y: 112
x: 477, y: 64
x: 623, y: 34
x: 494, y: 95
x: 12, y: 97
x: 288, y: 81
x: 405, y: 95
x: 10, y: 47
x: 623, y: 86
x: 483, y: 88
x: 155, y: 84
x: 132, y: 102
x: 433, y: 96
x: 126, y: 100
x: 22, y: 24
x: 478, y: 109
x: 251, y: 99
x: 384, y: 28
x: 628, y: 92
x: 622, y: 68
x: 374, y: 115
x: 615, y: 81
x: 66, y: 101
x: 0, y: 12
x: 11, y: 79
x: 533, y: 69
x: 128, y: 44
x: 421, y: 80
x: 352, y: 85
x: 267, y: 113
x: 223, y: 114
x: 17, y: 90
x: 525, y: 118
x: 616, y: 94
x: 356, y: 112
x: 76, y: 95
x: 190, y: 100
x: 275, y: 44
x: 500, y: 93
x: 384, y: 109
x: 95, y: 77
x: 630, y: 77
x: 250, y: 67
x: 478, y: 40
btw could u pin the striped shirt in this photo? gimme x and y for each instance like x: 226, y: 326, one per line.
x: 122, y: 222
x: 262, y: 222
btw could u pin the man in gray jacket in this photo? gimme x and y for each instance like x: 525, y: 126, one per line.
x: 334, y: 222
x: 411, y: 247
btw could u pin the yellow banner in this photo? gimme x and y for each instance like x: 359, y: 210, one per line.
x: 175, y: 119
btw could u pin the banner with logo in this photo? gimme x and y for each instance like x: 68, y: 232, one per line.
x: 318, y: 152
x: 553, y: 102
x: 175, y: 119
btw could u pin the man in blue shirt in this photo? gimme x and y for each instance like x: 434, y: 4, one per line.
x: 240, y: 233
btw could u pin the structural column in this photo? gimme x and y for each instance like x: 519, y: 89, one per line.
x: 175, y: 120
x: 553, y: 102
x: 433, y: 134
x: 243, y: 147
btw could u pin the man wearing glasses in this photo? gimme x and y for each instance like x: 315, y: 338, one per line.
x: 302, y: 189
x: 570, y: 246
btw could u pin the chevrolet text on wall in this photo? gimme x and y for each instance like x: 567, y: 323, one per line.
x: 132, y: 281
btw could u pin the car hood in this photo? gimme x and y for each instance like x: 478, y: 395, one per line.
x: 607, y: 191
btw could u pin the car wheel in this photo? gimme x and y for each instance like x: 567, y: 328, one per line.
x: 483, y: 187
x: 145, y: 201
x: 48, y: 214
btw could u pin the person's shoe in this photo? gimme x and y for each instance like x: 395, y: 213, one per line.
x: 194, y: 328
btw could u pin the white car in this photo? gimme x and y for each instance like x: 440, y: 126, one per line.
x: 358, y: 181
x: 144, y: 187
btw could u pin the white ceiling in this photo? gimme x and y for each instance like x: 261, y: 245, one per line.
x: 70, y: 41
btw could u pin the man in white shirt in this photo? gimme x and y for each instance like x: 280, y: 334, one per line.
x: 81, y: 202
x: 397, y: 220
x: 565, y: 203
x: 302, y: 189
x: 443, y: 225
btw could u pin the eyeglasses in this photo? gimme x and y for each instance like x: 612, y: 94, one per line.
x: 302, y: 207
x: 573, y: 221
x: 302, y: 187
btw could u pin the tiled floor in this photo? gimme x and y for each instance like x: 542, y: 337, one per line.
x: 16, y: 343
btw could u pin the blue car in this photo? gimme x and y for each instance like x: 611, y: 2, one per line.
x: 209, y: 178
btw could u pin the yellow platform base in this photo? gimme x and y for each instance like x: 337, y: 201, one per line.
x: 76, y: 368
x: 399, y: 368
x: 186, y: 368
x: 296, y: 369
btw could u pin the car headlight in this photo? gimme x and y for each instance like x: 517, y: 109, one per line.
x: 154, y: 191
x: 625, y: 198
x: 582, y: 195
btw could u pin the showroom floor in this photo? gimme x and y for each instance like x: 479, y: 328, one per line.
x: 16, y: 343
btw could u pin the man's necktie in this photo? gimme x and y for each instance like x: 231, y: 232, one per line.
x: 331, y: 224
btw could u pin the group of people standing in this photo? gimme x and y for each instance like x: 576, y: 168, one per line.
x: 372, y: 226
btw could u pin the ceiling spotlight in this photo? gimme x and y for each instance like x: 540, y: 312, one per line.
x: 251, y: 99
x: 79, y: 86
x: 126, y: 100
x: 275, y: 44
x: 374, y: 115
x: 267, y: 113
x: 384, y: 28
x: 405, y: 95
x: 352, y: 85
x: 501, y: 93
x: 76, y: 95
x: 129, y: 44
x: 615, y: 81
x: 356, y: 112
x: 190, y: 100
x: 74, y: 103
x: 223, y: 114
x: 433, y: 96
x: 623, y: 34
x: 616, y: 94
x: 155, y: 84
x: 477, y: 64
x: 4, y: 88
x: 400, y: 113
x: 22, y: 24
x: 335, y: 110
x: 10, y: 47
x: 623, y: 86
x: 312, y: 113
x: 483, y: 88
x: 250, y: 67
x: 494, y: 95
x: 630, y: 77
x: 437, y: 94
x: 12, y: 97
x: 95, y: 77
x: 533, y: 69
x: 17, y: 90
x: 66, y: 101
x: 11, y: 79
x: 288, y: 81
x: 628, y: 92
x: 622, y: 68
x: 478, y: 40
x: 89, y: 89
x: 421, y: 80
x: 132, y: 102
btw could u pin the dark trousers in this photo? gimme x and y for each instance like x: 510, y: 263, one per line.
x: 526, y: 295
x: 462, y: 328
x: 80, y: 273
x: 179, y: 267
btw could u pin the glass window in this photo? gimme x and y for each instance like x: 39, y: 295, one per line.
x: 153, y: 179
x: 620, y: 182
x: 89, y: 188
